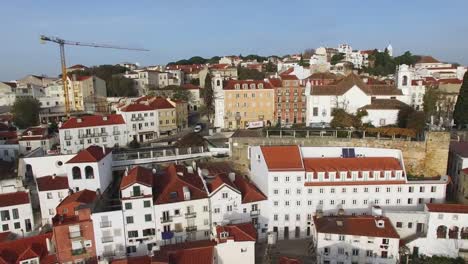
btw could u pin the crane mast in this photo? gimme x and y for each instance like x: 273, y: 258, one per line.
x: 61, y: 42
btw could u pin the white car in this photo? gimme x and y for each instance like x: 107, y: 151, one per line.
x: 197, y: 128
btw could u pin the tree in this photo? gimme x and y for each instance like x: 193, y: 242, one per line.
x: 249, y: 74
x: 179, y: 93
x: 337, y: 58
x: 121, y: 86
x: 308, y: 53
x: 208, y: 98
x: 460, y: 114
x: 430, y: 99
x: 403, y: 115
x: 406, y: 58
x: 25, y: 112
x: 195, y: 81
x: 435, y: 260
x: 303, y: 62
x: 343, y: 119
x: 270, y: 67
x: 417, y: 121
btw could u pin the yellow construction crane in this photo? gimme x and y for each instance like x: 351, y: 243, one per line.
x: 62, y: 44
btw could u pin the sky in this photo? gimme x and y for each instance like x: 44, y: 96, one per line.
x: 179, y: 29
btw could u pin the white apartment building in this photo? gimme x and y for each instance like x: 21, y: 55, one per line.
x: 446, y: 233
x: 109, y: 236
x: 146, y: 79
x: 235, y: 243
x: 78, y: 133
x: 355, y: 239
x: 16, y: 213
x: 326, y: 179
x: 352, y: 94
x: 36, y: 137
x: 181, y: 206
x: 82, y: 88
x: 136, y: 190
x: 51, y: 191
x: 411, y: 85
x: 90, y: 168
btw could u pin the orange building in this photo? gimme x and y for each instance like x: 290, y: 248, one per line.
x: 73, y: 229
x: 290, y: 100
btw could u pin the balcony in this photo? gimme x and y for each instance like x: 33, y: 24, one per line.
x: 116, y: 132
x: 68, y: 137
x: 103, y: 133
x: 79, y: 251
x: 254, y: 212
x: 107, y: 239
x: 135, y: 194
x: 166, y: 219
x: 191, y: 228
x: 190, y: 215
x: 106, y: 224
x: 74, y: 235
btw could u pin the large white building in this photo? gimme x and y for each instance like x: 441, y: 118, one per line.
x: 381, y: 101
x: 16, y: 213
x: 355, y: 239
x: 81, y: 132
x: 51, y: 191
x: 36, y: 137
x: 326, y: 179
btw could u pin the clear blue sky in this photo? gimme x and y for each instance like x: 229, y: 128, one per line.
x: 174, y: 30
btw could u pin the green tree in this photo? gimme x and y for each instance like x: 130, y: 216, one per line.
x: 403, y: 116
x: 25, y: 112
x: 337, y: 58
x: 208, y: 98
x: 249, y: 74
x: 460, y: 114
x: 431, y: 96
x: 121, y: 86
x: 195, y: 82
x: 270, y: 67
x: 303, y: 62
x: 343, y: 119
x: 435, y: 260
x: 406, y: 58
x: 179, y: 93
x: 417, y: 121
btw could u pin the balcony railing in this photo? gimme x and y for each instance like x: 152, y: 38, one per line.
x: 116, y: 133
x: 190, y: 228
x: 254, y: 212
x: 80, y: 251
x: 190, y: 215
x: 166, y: 219
x: 68, y: 137
x: 106, y: 224
x: 76, y: 234
x: 133, y: 194
x: 107, y: 239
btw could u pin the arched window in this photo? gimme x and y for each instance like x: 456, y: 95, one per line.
x: 218, y: 82
x: 442, y: 231
x: 405, y: 80
x: 89, y: 172
x: 464, y: 233
x: 453, y: 232
x: 76, y: 172
x: 29, y: 171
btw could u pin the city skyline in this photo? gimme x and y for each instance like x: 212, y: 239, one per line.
x: 168, y: 30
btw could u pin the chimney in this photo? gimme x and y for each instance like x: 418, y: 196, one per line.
x: 53, y: 176
x: 380, y: 223
x: 79, y: 120
x: 104, y: 118
x: 376, y: 211
x: 232, y: 176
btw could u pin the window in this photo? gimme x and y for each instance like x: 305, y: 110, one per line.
x: 217, y: 210
x: 309, y: 202
x: 326, y: 250
x: 89, y: 172
x: 129, y: 219
x: 341, y: 251
x: 275, y: 217
x: 286, y: 217
x: 275, y: 191
x: 433, y: 188
x: 275, y: 179
x: 354, y: 190
x: 377, y: 189
x: 421, y: 189
x: 343, y: 190
x: 384, y: 254
x: 369, y: 253
x: 5, y: 227
x: 341, y: 238
x: 410, y: 225
x: 298, y: 191
x: 146, y: 204
x: 298, y: 217
x: 128, y: 206
x: 399, y: 224
x: 410, y: 189
x: 309, y: 191
x: 5, y: 215
x: 388, y: 189
x: 287, y: 179
x: 420, y: 200
x: 225, y: 195
x: 17, y: 225
x: 299, y: 178
x: 287, y: 191
x: 229, y: 208
x: 136, y: 191
x: 410, y: 201
x: 315, y: 111
x: 132, y: 233
x: 15, y: 213
x: 286, y: 203
x: 205, y: 208
x: 147, y: 217
x: 275, y: 203
x: 76, y: 172
x: 366, y: 189
x: 355, y: 252
x: 298, y: 203
x: 398, y: 201
x: 49, y: 195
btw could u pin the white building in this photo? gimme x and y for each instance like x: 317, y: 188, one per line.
x: 327, y: 179
x: 109, y: 234
x: 16, y: 213
x: 235, y: 243
x: 136, y: 191
x: 411, y: 85
x: 51, y: 191
x: 36, y: 137
x: 90, y: 168
x: 352, y: 94
x: 181, y: 206
x: 355, y: 239
x: 350, y: 55
x: 446, y: 233
x: 81, y: 132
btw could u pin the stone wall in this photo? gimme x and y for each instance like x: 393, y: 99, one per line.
x: 428, y: 158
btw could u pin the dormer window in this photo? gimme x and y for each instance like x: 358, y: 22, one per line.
x: 260, y: 86
x: 237, y: 86
x: 252, y: 86
x: 224, y: 235
x: 173, y: 196
x: 245, y: 86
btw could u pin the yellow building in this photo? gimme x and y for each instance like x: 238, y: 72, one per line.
x: 248, y: 103
x: 82, y: 89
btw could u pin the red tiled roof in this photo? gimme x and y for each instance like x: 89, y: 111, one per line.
x: 90, y: 154
x: 34, y: 133
x: 275, y: 82
x: 148, y: 103
x: 230, y: 85
x: 220, y: 66
x: 170, y: 185
x: 448, y: 208
x: 385, y: 104
x: 137, y: 175
x: 219, y: 180
x: 276, y: 161
x: 133, y: 260
x: 93, y: 120
x: 383, y: 89
x: 14, y: 198
x: 250, y: 192
x: 135, y: 107
x: 83, y: 197
x: 288, y: 71
x: 351, y: 164
x: 288, y: 77
x: 8, y: 135
x: 237, y: 232
x: 450, y: 81
x: 77, y: 66
x: 198, y: 252
x: 427, y: 59
x: 49, y: 183
x: 356, y: 226
x: 14, y: 251
x: 4, y: 236
x: 82, y: 78
x: 322, y: 76
x: 341, y: 86
x: 160, y: 103
x: 286, y: 260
